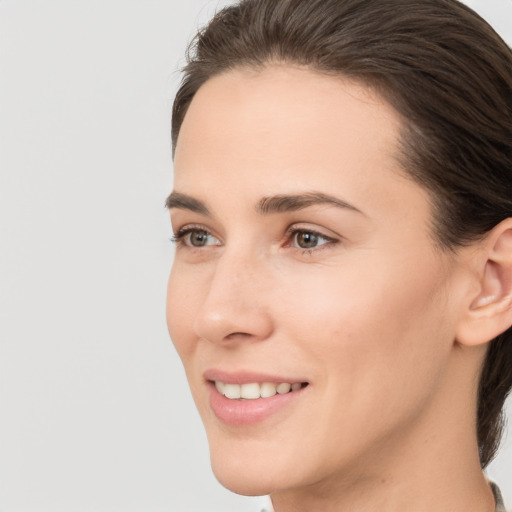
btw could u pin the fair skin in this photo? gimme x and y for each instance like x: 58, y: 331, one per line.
x: 338, y: 287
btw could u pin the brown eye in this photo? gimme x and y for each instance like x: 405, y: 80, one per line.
x: 195, y: 237
x: 198, y: 238
x: 306, y: 239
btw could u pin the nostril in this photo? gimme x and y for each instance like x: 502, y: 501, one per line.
x: 226, y: 320
x: 237, y: 334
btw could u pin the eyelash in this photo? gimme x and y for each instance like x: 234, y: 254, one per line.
x: 180, y: 238
x: 294, y: 231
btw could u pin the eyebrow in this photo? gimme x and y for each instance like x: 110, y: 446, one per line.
x: 292, y: 203
x: 184, y: 202
x: 268, y: 205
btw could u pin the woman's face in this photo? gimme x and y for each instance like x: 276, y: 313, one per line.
x: 305, y: 258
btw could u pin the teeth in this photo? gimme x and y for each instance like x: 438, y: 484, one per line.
x: 232, y: 391
x: 283, y: 388
x: 268, y: 389
x: 250, y: 391
x: 254, y: 390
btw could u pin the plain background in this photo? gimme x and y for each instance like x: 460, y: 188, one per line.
x: 95, y: 413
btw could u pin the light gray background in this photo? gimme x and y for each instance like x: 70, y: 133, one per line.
x: 95, y: 414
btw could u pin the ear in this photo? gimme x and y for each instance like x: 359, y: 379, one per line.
x: 490, y: 310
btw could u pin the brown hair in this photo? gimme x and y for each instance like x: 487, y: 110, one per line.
x: 447, y: 73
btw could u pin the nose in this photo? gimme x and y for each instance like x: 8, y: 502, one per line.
x: 235, y: 307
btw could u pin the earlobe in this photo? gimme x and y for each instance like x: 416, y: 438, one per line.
x: 490, y: 311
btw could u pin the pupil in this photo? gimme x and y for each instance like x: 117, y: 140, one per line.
x: 198, y: 238
x: 307, y: 240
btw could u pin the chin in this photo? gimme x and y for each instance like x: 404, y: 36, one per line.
x: 248, y: 470
x: 244, y: 482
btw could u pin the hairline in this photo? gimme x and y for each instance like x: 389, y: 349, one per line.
x: 400, y: 154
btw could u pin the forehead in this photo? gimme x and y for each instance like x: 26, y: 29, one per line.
x: 280, y: 105
x: 280, y: 129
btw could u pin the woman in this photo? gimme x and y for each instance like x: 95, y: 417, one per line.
x: 341, y: 295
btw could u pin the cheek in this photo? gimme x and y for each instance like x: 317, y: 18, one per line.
x: 378, y: 330
x: 182, y: 298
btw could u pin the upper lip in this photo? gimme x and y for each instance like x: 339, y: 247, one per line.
x: 246, y: 377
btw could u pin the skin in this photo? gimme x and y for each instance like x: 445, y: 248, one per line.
x: 369, y: 316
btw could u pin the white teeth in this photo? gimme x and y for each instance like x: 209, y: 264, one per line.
x: 268, y: 389
x: 250, y: 391
x: 232, y: 391
x: 283, y: 388
x: 254, y: 390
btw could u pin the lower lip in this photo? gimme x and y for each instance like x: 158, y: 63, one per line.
x: 249, y: 412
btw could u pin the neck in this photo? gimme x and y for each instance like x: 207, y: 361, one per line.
x: 441, y: 490
x: 430, y: 465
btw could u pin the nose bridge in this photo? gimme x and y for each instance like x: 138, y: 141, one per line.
x: 235, y: 305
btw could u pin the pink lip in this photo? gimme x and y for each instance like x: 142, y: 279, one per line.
x: 248, y: 412
x: 246, y: 377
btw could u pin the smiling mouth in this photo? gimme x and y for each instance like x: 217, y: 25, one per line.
x: 256, y: 390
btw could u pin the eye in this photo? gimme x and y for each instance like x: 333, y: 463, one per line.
x: 195, y: 237
x: 307, y: 239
